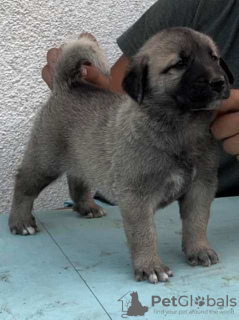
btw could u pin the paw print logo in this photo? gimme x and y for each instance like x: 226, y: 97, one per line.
x: 199, y: 301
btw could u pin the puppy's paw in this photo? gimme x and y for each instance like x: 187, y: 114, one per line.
x: 204, y: 257
x: 23, y: 226
x: 154, y: 273
x: 91, y: 211
x: 96, y: 213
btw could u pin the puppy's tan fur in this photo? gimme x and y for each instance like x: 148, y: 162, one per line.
x: 144, y: 149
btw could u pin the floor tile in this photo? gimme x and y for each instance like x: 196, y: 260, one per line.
x: 78, y: 268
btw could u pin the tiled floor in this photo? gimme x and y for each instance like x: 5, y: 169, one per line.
x: 78, y: 269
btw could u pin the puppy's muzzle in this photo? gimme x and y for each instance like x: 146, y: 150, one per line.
x: 214, y: 87
x: 216, y: 84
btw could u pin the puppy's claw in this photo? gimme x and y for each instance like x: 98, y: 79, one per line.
x: 153, y: 278
x: 90, y: 215
x: 31, y: 230
x: 170, y: 273
x: 139, y: 276
x: 13, y: 231
x: 24, y: 232
x: 163, y: 277
x: 96, y: 213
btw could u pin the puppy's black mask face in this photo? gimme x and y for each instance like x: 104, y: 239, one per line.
x: 179, y: 68
x: 205, y: 79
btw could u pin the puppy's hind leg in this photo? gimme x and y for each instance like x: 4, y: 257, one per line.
x: 83, y: 201
x: 33, y: 176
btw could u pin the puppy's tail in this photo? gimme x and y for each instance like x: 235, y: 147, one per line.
x: 84, y: 50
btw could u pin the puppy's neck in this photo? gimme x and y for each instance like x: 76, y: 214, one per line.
x: 168, y: 116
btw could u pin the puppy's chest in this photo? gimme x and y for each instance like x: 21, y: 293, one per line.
x: 189, y: 158
x: 177, y: 179
x: 162, y: 176
x: 180, y: 167
x: 185, y: 162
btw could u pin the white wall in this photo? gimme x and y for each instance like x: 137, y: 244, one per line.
x: 28, y: 28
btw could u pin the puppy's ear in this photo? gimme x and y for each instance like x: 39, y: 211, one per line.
x: 136, y: 80
x: 226, y: 69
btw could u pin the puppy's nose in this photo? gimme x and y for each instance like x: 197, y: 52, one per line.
x: 217, y: 84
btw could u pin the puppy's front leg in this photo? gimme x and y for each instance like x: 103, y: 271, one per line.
x: 138, y: 219
x: 195, y: 211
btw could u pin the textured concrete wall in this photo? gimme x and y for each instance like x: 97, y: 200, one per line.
x: 28, y: 28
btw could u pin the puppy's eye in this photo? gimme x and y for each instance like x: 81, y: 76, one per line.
x: 180, y: 65
x: 215, y: 58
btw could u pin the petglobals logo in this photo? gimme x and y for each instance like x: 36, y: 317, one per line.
x: 131, y: 305
x: 193, y: 305
x: 190, y: 301
x: 181, y: 305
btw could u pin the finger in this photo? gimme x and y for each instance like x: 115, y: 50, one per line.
x: 226, y: 126
x: 229, y: 105
x: 93, y: 75
x: 231, y: 145
x: 52, y: 55
x: 47, y: 76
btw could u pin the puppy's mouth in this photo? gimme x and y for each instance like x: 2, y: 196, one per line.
x: 212, y: 106
x: 208, y: 99
x: 206, y: 103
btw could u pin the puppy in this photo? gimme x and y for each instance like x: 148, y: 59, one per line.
x: 143, y: 149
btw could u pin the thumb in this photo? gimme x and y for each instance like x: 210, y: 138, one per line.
x: 95, y: 76
x: 230, y: 105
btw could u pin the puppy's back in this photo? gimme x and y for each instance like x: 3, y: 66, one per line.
x: 79, y: 117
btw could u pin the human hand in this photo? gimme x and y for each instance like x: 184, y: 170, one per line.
x: 47, y: 70
x: 226, y: 125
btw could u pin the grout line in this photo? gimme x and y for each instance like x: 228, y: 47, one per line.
x: 74, y: 268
